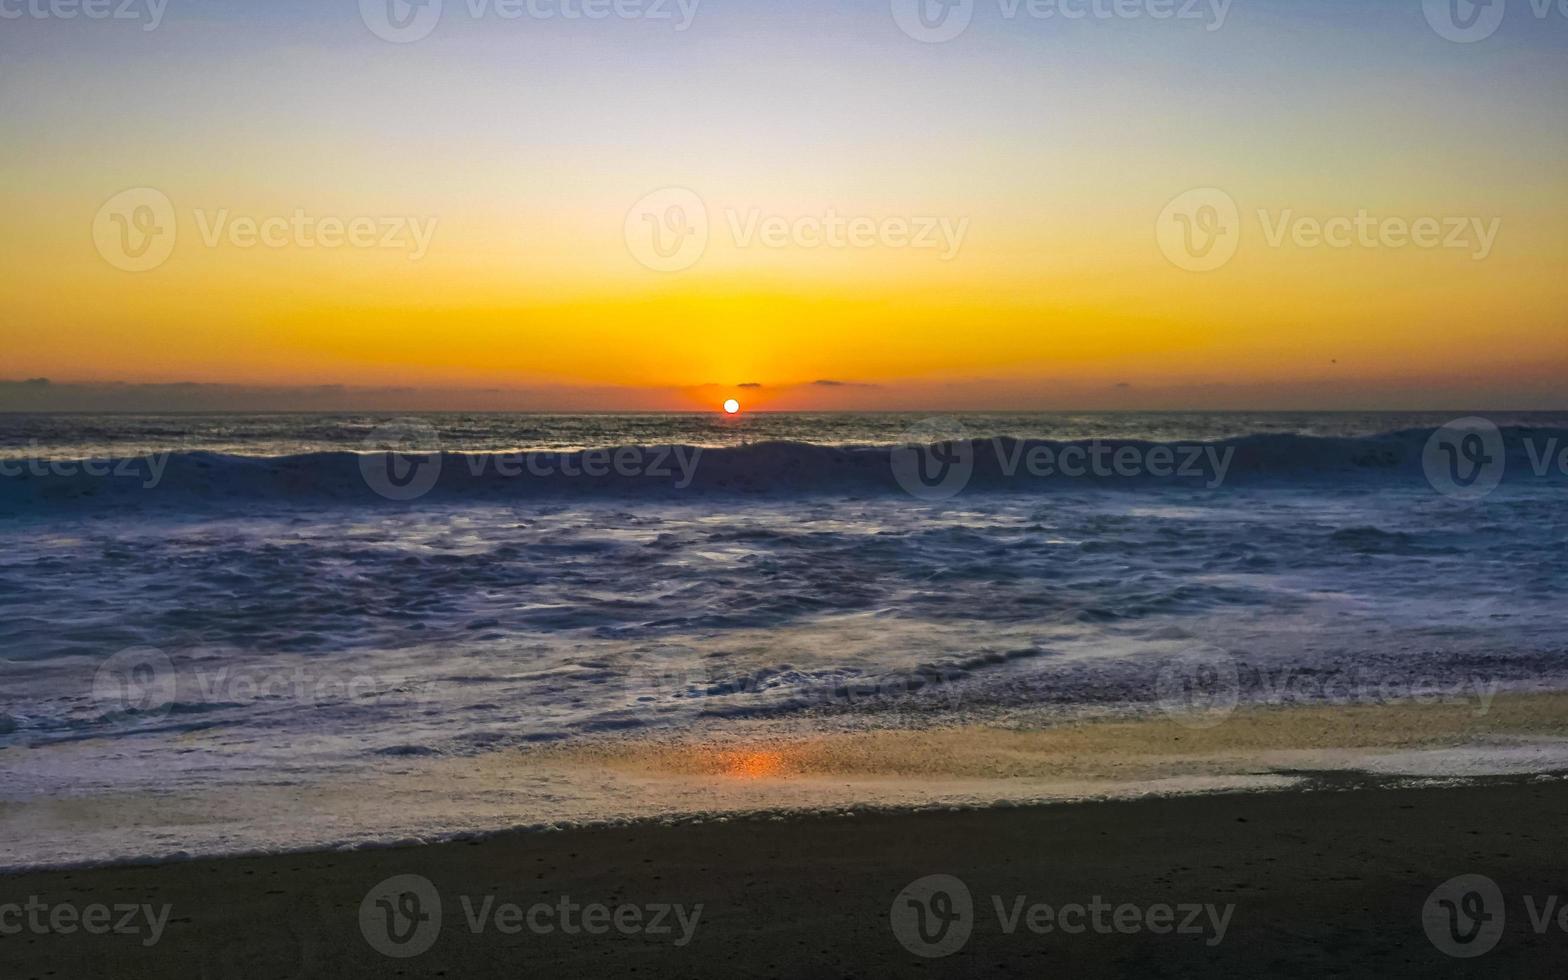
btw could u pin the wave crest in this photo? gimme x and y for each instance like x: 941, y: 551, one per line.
x: 783, y: 468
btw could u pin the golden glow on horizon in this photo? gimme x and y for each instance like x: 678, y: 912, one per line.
x: 1055, y: 292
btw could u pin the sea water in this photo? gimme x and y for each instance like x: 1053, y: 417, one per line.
x: 255, y: 602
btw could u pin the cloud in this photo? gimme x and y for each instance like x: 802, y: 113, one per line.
x: 749, y: 384
x: 843, y: 384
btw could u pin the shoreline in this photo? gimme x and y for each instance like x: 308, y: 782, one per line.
x: 1304, y: 781
x: 1333, y: 877
x: 747, y: 771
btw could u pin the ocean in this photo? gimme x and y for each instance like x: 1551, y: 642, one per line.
x: 277, y: 608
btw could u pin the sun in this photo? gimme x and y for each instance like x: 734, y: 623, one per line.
x: 732, y: 407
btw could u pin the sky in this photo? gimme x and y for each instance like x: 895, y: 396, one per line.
x: 1274, y: 203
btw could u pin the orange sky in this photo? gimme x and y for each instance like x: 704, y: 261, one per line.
x: 515, y: 183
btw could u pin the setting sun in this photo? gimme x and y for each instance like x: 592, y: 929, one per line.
x: 732, y: 407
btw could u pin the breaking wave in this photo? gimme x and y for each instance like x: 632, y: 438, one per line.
x: 1001, y: 464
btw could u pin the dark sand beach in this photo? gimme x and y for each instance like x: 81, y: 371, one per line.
x: 1329, y: 882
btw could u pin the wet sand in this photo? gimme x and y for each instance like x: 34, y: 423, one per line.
x: 1095, y: 751
x: 736, y: 769
x: 1324, y: 882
